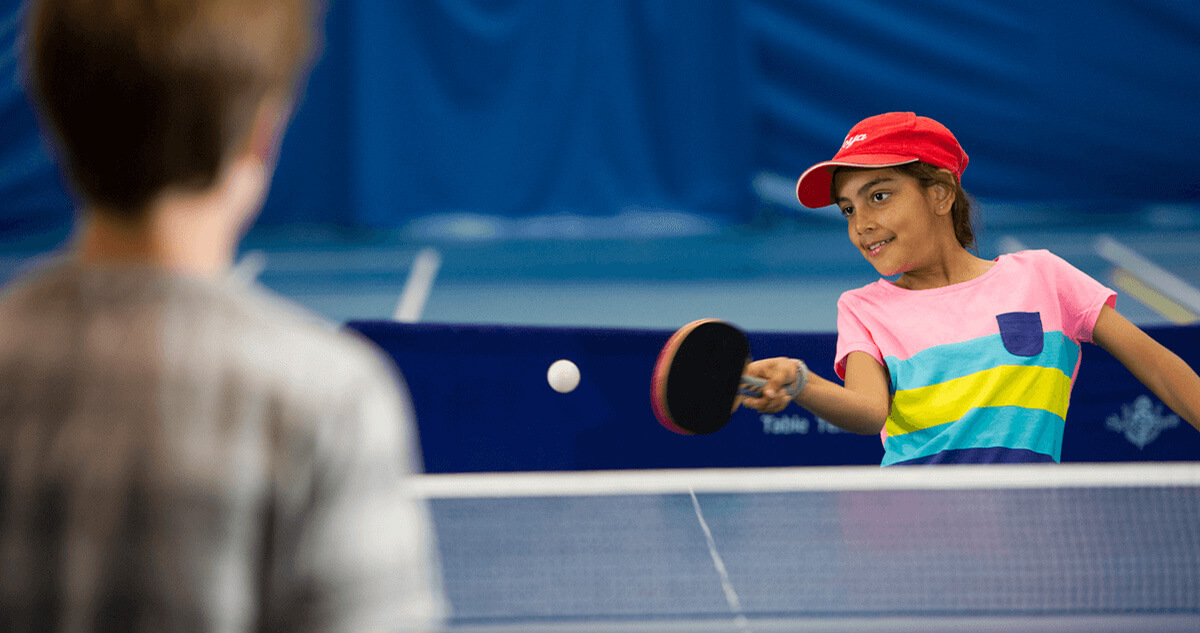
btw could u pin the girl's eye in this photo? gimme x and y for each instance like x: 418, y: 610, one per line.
x: 847, y: 211
x: 880, y: 196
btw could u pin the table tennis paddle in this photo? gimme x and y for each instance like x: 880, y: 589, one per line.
x: 698, y: 377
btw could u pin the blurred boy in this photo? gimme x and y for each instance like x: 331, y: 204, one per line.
x: 180, y: 451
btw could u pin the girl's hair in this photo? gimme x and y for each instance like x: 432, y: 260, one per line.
x: 927, y: 176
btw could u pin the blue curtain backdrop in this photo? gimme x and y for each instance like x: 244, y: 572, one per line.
x: 594, y: 107
x: 1054, y: 101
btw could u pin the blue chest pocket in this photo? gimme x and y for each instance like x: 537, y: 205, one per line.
x: 1021, y: 332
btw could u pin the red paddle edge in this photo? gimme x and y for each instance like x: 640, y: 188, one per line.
x: 658, y: 383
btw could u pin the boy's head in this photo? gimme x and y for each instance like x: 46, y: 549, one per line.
x: 145, y: 95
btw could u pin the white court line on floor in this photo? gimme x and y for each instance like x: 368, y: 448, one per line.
x: 420, y: 282
x: 1124, y: 257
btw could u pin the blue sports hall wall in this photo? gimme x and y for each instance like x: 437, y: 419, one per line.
x: 529, y: 107
x: 483, y: 404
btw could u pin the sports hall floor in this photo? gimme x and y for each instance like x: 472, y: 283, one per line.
x: 780, y: 271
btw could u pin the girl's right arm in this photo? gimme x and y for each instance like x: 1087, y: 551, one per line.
x: 861, y: 406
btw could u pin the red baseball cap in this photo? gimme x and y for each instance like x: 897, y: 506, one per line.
x: 884, y: 140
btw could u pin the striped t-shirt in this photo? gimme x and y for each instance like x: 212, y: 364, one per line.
x: 981, y: 371
x: 193, y: 454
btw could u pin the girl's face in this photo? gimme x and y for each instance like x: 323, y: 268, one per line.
x: 892, y: 220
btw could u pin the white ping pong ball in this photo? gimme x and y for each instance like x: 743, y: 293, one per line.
x: 563, y: 376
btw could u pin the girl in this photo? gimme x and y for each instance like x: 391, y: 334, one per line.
x: 960, y: 359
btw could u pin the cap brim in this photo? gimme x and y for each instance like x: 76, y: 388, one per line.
x: 813, y: 186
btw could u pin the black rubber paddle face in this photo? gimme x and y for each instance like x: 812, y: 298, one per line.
x: 703, y: 377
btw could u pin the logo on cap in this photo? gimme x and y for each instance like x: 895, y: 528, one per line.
x: 852, y: 140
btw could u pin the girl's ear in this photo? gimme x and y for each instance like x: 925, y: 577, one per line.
x: 943, y: 196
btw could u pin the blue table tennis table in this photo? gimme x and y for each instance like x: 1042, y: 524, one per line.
x: 1011, y: 548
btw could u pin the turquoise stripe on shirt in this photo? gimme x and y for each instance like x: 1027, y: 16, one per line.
x: 954, y: 360
x: 1009, y: 427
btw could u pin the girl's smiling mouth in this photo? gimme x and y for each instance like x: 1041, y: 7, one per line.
x: 874, y: 248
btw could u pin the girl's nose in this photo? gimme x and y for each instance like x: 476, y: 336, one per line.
x: 863, y: 224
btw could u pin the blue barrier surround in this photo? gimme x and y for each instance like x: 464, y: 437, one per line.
x: 483, y: 404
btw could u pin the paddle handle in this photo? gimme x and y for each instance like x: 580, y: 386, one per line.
x: 753, y: 384
x: 754, y: 381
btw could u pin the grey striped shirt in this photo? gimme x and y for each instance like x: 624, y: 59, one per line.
x: 183, y: 454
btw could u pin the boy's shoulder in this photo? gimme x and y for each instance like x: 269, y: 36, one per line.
x: 292, y: 336
x: 250, y: 327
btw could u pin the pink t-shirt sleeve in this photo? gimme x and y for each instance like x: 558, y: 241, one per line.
x: 1080, y: 297
x: 853, y: 336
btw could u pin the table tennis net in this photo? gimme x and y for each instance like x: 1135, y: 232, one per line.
x: 820, y: 542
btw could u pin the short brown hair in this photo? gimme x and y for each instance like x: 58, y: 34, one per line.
x: 927, y: 176
x: 141, y: 95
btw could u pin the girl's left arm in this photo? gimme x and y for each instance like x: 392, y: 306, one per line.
x: 1160, y: 369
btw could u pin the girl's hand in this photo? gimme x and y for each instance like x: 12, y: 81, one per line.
x: 778, y: 372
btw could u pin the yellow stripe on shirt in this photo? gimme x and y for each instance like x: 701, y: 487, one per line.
x: 1044, y: 388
